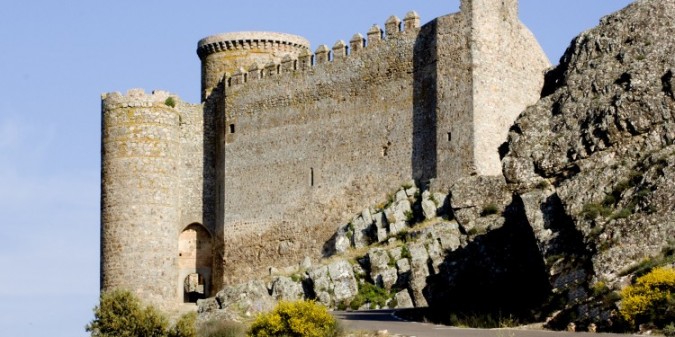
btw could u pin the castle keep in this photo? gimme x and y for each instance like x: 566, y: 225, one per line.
x: 288, y: 144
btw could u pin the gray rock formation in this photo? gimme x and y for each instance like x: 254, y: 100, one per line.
x: 284, y: 288
x: 403, y: 299
x: 344, y: 283
x: 598, y: 151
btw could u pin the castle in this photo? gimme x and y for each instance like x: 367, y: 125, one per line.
x: 287, y: 144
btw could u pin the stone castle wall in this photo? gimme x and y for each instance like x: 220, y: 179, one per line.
x: 223, y: 54
x: 306, y: 145
x: 310, y: 149
x: 287, y: 147
x: 140, y: 206
x: 507, y: 66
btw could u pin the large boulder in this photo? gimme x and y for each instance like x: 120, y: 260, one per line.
x: 284, y: 288
x: 251, y: 297
x: 382, y: 269
x: 345, y: 286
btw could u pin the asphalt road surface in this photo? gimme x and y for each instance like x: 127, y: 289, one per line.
x: 385, y: 320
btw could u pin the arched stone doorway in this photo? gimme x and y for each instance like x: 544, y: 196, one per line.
x: 195, y: 258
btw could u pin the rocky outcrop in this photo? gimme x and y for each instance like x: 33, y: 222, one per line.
x: 593, y: 160
x: 587, y: 196
x: 408, y: 242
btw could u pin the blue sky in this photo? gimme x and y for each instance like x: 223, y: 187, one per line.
x: 56, y: 59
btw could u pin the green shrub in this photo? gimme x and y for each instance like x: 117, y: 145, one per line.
x: 409, y: 217
x: 301, y: 318
x: 405, y: 253
x: 543, y: 184
x: 402, y: 235
x: 185, y: 327
x: 170, y: 102
x: 592, y: 211
x: 370, y: 293
x: 489, y: 209
x: 650, y: 299
x: 221, y: 328
x: 599, y: 289
x: 120, y: 314
x: 669, y: 330
x: 622, y: 214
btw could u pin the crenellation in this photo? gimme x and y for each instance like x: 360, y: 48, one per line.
x: 300, y: 147
x: 375, y: 35
x: 305, y: 60
x: 357, y: 43
x: 288, y: 64
x: 239, y: 77
x: 271, y: 69
x: 135, y: 98
x: 254, y: 72
x: 322, y: 54
x: 411, y: 21
x: 339, y: 50
x: 392, y: 26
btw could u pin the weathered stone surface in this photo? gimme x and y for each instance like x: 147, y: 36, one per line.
x: 429, y: 208
x: 321, y: 279
x: 387, y: 278
x: 397, y: 227
x: 401, y: 209
x: 358, y: 270
x: 447, y: 233
x: 278, y: 153
x: 382, y: 235
x: 342, y: 242
x: 362, y: 231
x: 379, y: 259
x: 380, y: 220
x: 306, y: 263
x: 403, y: 266
x: 436, y: 254
x: 381, y: 272
x: 401, y: 195
x: 344, y: 283
x: 284, y: 288
x: 403, y: 299
x: 592, y: 161
x: 419, y: 272
x: 207, y: 304
x: 474, y: 199
x: 250, y: 297
x: 395, y: 252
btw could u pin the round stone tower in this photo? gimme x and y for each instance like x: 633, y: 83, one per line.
x: 139, y: 195
x: 225, y: 53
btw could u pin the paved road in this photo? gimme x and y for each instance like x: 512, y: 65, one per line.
x: 384, y: 320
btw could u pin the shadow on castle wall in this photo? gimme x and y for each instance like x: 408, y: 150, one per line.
x: 425, y: 103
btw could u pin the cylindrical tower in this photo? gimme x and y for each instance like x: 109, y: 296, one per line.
x: 139, y: 195
x: 225, y: 53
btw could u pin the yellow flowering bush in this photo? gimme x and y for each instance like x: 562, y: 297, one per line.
x: 295, y: 319
x: 651, y: 299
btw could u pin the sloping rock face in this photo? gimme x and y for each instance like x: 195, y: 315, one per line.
x: 593, y: 161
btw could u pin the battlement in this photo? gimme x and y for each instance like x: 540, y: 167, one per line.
x: 318, y: 134
x: 305, y: 60
x: 134, y: 98
x: 249, y: 40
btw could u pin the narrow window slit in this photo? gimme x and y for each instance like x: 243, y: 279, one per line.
x: 311, y: 176
x: 231, y: 128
